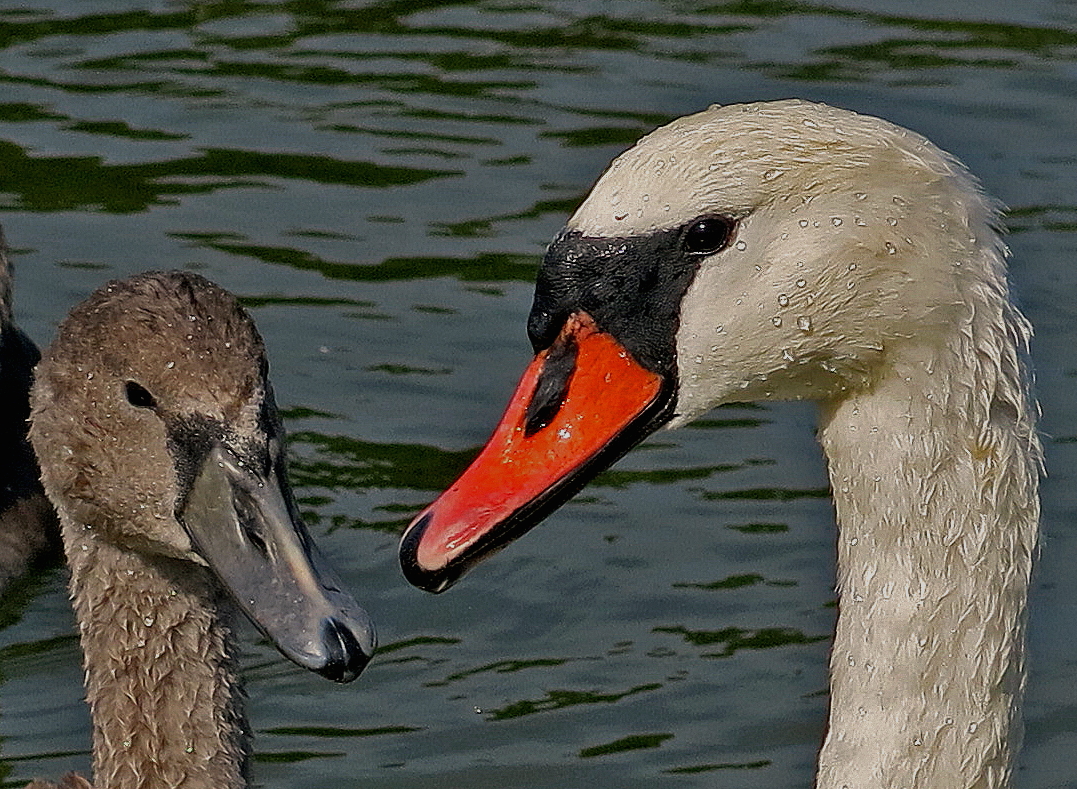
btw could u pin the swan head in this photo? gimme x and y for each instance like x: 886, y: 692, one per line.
x: 157, y: 432
x: 779, y: 250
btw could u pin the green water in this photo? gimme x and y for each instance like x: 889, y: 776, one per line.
x: 377, y: 181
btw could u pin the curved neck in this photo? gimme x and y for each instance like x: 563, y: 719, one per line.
x: 934, y: 474
x: 160, y: 677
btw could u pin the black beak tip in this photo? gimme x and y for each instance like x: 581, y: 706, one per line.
x: 434, y: 581
x: 346, y: 657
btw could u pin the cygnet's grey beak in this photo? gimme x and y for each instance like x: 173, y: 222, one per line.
x: 243, y: 522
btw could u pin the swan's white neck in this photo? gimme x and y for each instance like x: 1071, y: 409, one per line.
x: 934, y: 474
x: 160, y: 679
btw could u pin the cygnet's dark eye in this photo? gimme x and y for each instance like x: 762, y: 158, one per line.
x: 708, y: 234
x: 139, y: 396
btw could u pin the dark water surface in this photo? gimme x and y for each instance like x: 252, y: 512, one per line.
x: 377, y: 180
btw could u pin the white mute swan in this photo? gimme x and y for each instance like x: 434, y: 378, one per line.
x: 161, y: 448
x: 791, y: 250
x: 28, y: 528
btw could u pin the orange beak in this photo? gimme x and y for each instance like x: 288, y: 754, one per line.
x: 581, y: 404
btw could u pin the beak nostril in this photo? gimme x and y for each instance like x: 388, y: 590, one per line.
x: 552, y: 386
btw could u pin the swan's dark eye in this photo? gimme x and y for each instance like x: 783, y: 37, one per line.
x: 139, y: 396
x: 708, y: 234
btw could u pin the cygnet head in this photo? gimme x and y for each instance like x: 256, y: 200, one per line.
x: 157, y: 432
x: 777, y: 250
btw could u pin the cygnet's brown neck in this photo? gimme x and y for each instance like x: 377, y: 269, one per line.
x: 160, y: 676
